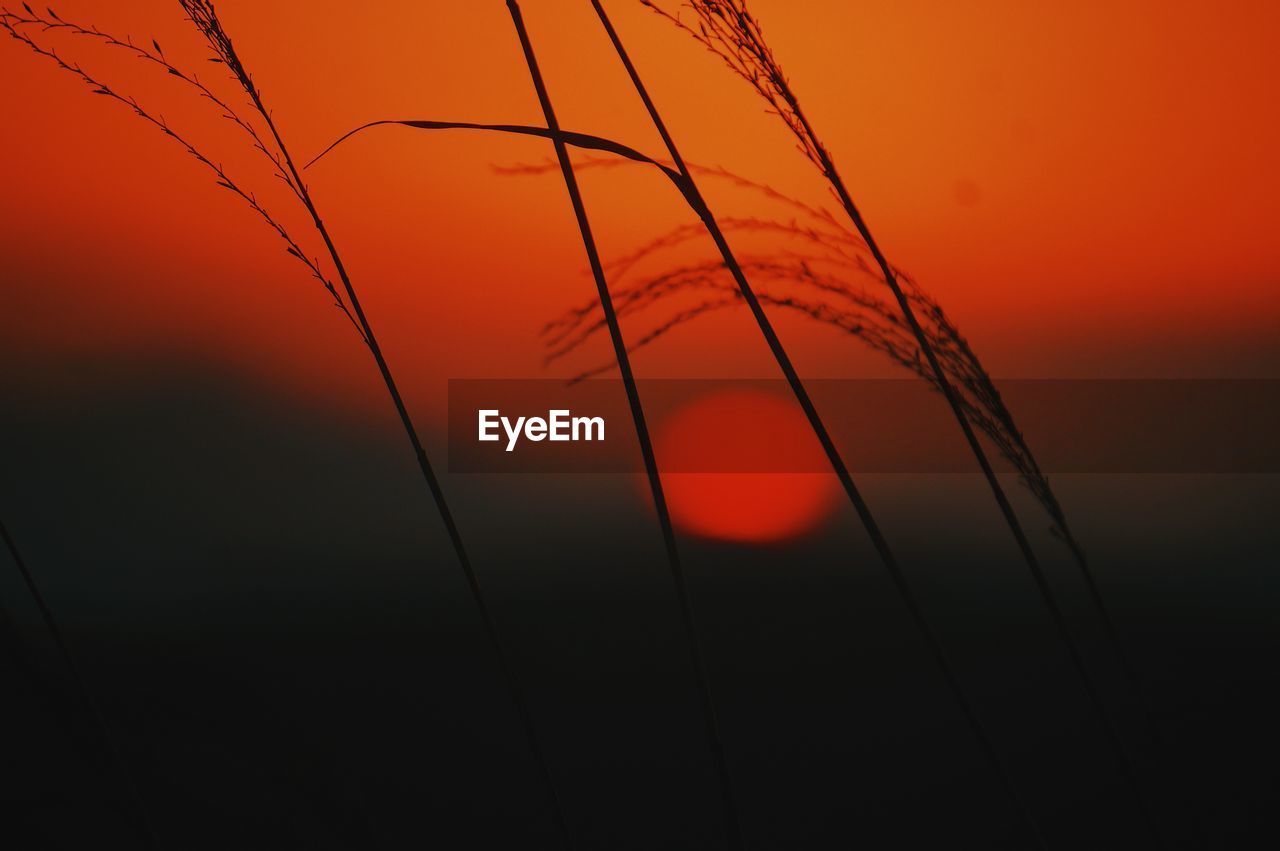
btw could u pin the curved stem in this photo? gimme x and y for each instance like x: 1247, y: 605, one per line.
x: 146, y: 833
x: 559, y: 139
x: 819, y: 428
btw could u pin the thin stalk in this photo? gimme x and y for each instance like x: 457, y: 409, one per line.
x: 143, y: 826
x: 518, y: 700
x: 819, y: 428
x: 728, y: 29
x: 1047, y: 595
x: 1116, y: 744
x: 714, y: 738
x: 986, y: 410
x: 203, y: 15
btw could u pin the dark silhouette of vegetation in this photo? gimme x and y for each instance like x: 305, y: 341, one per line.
x: 682, y: 177
x: 837, y: 277
x: 692, y: 641
x: 141, y: 820
x: 728, y: 29
x: 271, y: 144
x: 835, y: 265
x: 745, y: 290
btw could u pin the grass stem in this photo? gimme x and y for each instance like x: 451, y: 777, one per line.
x: 141, y: 819
x: 714, y: 738
x: 819, y: 428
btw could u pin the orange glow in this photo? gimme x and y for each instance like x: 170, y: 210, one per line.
x: 1088, y: 188
x: 743, y: 430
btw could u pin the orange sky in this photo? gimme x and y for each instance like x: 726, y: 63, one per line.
x: 1088, y: 188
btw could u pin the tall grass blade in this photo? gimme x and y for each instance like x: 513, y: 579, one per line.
x: 204, y: 16
x: 642, y: 431
x: 271, y: 144
x: 727, y: 28
x: 900, y: 581
x: 568, y: 137
x: 140, y: 817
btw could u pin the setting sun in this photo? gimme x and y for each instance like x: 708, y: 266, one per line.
x: 742, y: 444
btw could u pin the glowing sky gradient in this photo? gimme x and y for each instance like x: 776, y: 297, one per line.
x: 1088, y: 189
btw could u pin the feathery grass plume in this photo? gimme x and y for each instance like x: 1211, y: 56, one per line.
x: 864, y: 316
x: 845, y: 247
x: 271, y: 144
x: 905, y: 592
x: 20, y: 26
x: 204, y: 16
x: 139, y: 815
x: 728, y: 29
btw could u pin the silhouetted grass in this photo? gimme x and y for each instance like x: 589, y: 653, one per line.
x: 271, y: 144
x: 905, y: 592
x: 562, y: 139
x: 727, y: 29
x: 141, y: 818
x: 857, y: 310
x: 917, y: 335
x: 682, y: 177
x: 692, y: 640
x: 18, y: 26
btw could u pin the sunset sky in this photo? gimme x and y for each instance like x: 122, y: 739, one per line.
x: 203, y: 471
x: 1086, y: 188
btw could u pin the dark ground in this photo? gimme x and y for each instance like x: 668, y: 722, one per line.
x: 262, y: 600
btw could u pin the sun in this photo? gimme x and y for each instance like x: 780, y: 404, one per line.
x: 765, y: 436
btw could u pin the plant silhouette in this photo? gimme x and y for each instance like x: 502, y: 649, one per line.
x: 271, y: 144
x: 729, y: 30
